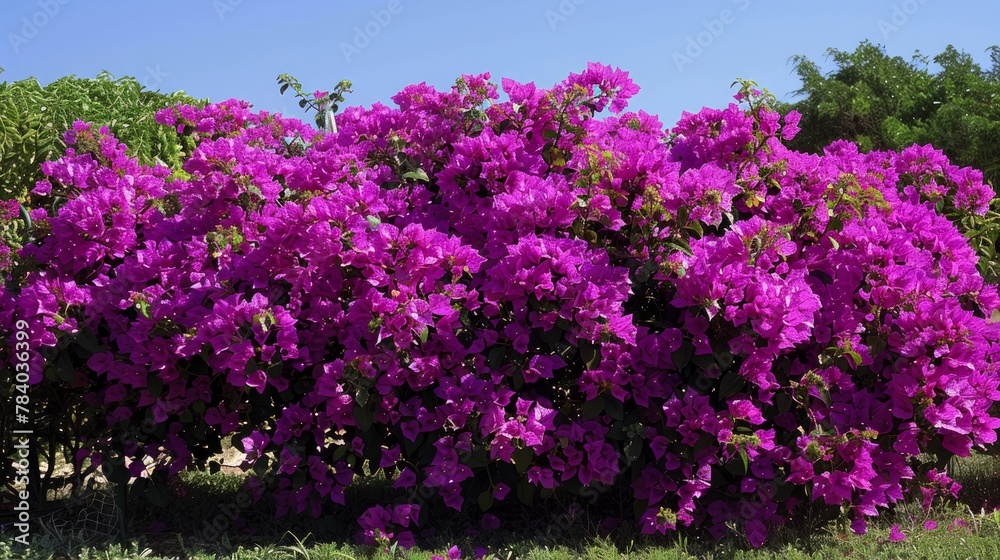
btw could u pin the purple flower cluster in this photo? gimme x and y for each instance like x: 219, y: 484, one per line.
x: 474, y: 295
x: 10, y: 211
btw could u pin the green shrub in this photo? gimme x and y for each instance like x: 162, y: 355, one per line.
x: 33, y: 119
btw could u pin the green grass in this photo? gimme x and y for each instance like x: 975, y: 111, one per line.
x: 248, y: 531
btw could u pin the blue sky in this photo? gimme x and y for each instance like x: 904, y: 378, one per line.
x: 682, y: 54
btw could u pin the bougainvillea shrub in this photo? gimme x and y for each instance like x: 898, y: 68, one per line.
x: 498, y: 301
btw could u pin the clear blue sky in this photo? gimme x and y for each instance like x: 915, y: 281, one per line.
x: 682, y: 54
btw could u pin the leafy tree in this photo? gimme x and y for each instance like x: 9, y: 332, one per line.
x: 33, y: 118
x: 884, y: 102
x: 867, y: 88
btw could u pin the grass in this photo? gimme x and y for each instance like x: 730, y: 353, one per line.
x: 211, y: 518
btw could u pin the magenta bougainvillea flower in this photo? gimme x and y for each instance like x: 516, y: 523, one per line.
x: 494, y: 301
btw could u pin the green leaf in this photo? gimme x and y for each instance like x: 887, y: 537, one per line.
x: 154, y: 384
x: 855, y: 357
x: 525, y: 493
x: 680, y: 245
x: 734, y: 467
x: 478, y: 459
x: 87, y: 340
x: 724, y: 358
x: 64, y: 368
x: 115, y: 472
x: 633, y: 449
x: 592, y: 408
x: 783, y: 402
x: 614, y: 408
x: 553, y: 337
x: 138, y: 487
x: 419, y: 175
x: 835, y: 224
x: 495, y: 357
x: 338, y: 453
x: 704, y: 442
x: 590, y: 353
x: 517, y: 380
x: 486, y: 500
x: 703, y: 361
x: 364, y: 418
x: 523, y: 458
x: 682, y: 356
x: 731, y: 384
x: 617, y: 431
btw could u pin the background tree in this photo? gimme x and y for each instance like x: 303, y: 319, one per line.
x: 33, y: 118
x: 884, y: 102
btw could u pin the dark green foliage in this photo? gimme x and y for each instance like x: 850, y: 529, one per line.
x: 33, y: 118
x: 884, y: 102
